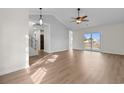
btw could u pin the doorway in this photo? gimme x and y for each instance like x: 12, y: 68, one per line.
x: 41, y: 42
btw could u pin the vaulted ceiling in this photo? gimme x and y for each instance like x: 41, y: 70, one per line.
x: 96, y: 16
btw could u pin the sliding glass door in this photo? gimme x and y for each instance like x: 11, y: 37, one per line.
x: 92, y: 41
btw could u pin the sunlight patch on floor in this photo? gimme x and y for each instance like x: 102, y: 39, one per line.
x: 55, y: 56
x: 52, y: 59
x: 38, y: 62
x: 38, y: 76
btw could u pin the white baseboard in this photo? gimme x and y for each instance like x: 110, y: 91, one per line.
x: 78, y: 49
x: 108, y: 52
x: 10, y: 69
x: 102, y: 51
x: 59, y: 50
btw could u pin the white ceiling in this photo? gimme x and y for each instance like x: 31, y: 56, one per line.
x: 96, y: 16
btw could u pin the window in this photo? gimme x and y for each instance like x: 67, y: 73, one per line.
x: 92, y: 41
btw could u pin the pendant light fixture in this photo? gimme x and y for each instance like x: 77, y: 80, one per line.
x: 41, y: 19
x: 39, y: 24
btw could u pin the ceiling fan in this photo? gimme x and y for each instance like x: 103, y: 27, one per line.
x: 79, y: 18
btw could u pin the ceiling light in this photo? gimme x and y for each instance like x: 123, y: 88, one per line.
x: 78, y: 21
x: 79, y: 18
x: 41, y: 19
x: 39, y: 24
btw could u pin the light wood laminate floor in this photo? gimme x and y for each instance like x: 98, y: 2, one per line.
x: 72, y: 67
x: 33, y: 59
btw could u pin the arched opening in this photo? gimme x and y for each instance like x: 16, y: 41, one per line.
x: 38, y: 43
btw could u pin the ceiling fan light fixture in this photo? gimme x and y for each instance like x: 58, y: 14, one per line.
x: 78, y: 21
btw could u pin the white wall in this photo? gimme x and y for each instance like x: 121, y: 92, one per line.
x: 47, y: 38
x: 70, y: 40
x: 112, y: 38
x: 13, y: 40
x: 77, y: 40
x: 59, y: 34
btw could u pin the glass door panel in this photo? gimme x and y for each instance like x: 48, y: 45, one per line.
x: 96, y: 41
x: 87, y: 42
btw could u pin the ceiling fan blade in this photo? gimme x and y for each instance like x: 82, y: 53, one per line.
x: 85, y: 20
x: 84, y: 16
